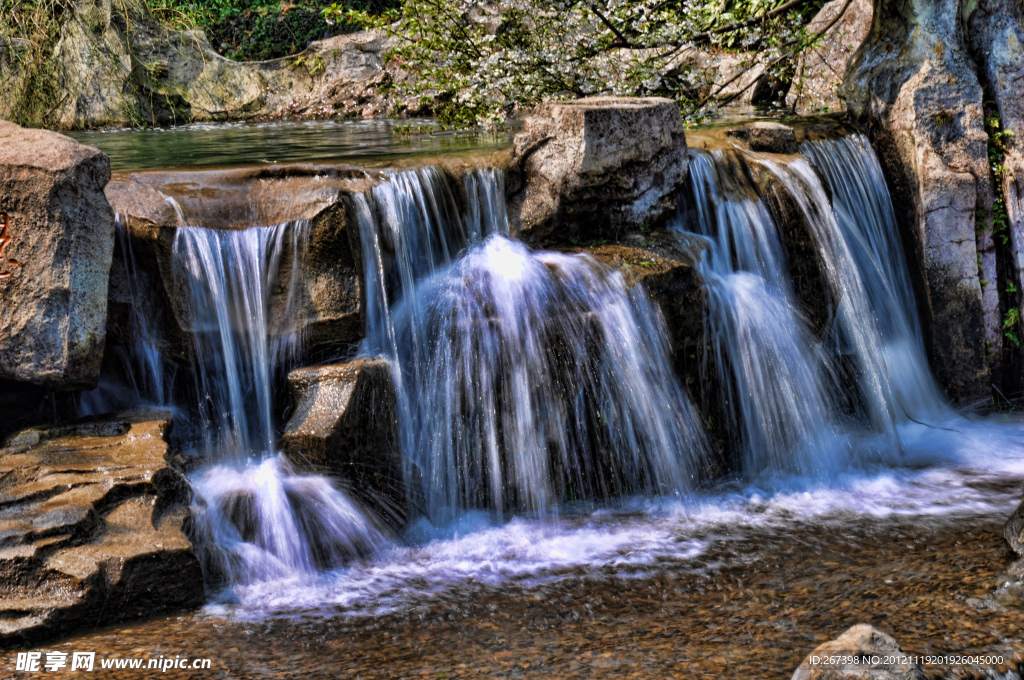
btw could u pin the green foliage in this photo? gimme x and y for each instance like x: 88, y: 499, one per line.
x: 1011, y: 326
x: 475, y: 64
x: 943, y: 118
x: 264, y: 29
x: 314, y: 65
x: 999, y: 141
x: 30, y: 83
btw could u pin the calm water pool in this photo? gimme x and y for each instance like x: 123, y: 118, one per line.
x: 229, y: 144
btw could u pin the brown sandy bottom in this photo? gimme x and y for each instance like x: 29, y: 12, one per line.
x: 753, y: 605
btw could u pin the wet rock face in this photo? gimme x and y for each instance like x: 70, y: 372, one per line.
x: 597, y: 166
x: 914, y: 85
x: 859, y: 640
x: 56, y: 245
x: 92, y: 520
x: 345, y: 424
x: 663, y: 263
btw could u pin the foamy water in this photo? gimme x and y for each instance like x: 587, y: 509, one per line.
x: 968, y: 469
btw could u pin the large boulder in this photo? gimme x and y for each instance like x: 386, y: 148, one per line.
x: 597, y: 166
x: 345, y: 423
x: 91, y: 62
x: 180, y: 78
x: 913, y: 85
x: 92, y: 528
x: 56, y: 241
x: 861, y: 653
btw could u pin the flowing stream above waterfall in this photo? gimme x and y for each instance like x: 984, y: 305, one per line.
x: 543, y: 429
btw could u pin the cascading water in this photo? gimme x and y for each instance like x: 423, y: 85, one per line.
x: 867, y: 223
x: 780, y: 395
x: 525, y: 378
x: 229, y: 276
x: 263, y: 520
x: 142, y: 375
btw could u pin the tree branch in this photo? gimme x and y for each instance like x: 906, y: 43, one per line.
x: 611, y: 27
x: 773, y: 62
x: 706, y: 36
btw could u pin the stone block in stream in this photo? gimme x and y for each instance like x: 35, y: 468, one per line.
x: 597, y: 166
x: 92, y: 528
x: 879, y: 657
x: 345, y: 424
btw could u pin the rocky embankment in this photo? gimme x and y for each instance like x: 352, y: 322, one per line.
x: 113, y: 64
x: 93, y: 520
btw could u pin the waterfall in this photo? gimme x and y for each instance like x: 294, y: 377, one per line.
x: 778, y: 397
x: 229, y: 276
x: 142, y: 372
x: 785, y: 383
x: 262, y: 520
x: 864, y: 215
x: 525, y: 378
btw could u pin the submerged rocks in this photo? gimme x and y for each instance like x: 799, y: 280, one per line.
x: 879, y: 658
x: 597, y: 166
x: 56, y: 245
x: 92, y: 528
x: 345, y: 423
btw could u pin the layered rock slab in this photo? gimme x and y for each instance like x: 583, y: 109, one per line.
x: 56, y: 246
x: 92, y: 528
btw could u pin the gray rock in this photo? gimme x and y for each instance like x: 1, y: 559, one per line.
x: 92, y: 64
x: 597, y: 166
x: 859, y: 640
x: 55, y: 260
x: 914, y: 85
x: 1013, y: 530
x: 92, y: 521
x: 345, y: 423
x: 996, y: 29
